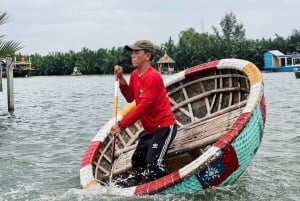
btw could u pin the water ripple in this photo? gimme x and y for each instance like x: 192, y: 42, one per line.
x: 56, y: 117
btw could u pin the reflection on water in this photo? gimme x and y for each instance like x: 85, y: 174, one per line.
x: 56, y: 117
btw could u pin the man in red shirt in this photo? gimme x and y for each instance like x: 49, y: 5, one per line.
x: 153, y: 108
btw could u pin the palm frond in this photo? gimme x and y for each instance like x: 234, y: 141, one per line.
x: 8, y: 48
x: 3, y: 17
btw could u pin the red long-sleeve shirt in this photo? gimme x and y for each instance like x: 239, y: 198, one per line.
x: 152, y: 103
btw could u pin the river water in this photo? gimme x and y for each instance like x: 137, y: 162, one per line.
x: 56, y: 117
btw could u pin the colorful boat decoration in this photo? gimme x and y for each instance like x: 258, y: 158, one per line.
x: 220, y: 111
x: 297, y: 72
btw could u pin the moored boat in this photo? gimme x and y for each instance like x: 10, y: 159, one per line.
x: 76, y: 72
x: 21, y: 68
x: 220, y: 112
x: 297, y: 72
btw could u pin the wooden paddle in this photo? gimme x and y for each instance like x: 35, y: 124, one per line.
x: 115, y: 114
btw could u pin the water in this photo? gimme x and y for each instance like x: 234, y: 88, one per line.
x: 56, y: 117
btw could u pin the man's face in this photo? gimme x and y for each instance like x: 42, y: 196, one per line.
x: 139, y: 57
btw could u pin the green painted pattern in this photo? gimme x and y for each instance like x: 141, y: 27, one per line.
x: 190, y: 185
x: 245, y: 146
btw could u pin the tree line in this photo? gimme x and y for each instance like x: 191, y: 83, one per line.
x: 192, y: 48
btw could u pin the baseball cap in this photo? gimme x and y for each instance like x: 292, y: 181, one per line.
x: 141, y: 45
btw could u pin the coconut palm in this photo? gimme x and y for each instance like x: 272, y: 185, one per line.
x: 7, y: 48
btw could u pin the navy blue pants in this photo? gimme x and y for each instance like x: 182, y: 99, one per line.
x: 148, y: 160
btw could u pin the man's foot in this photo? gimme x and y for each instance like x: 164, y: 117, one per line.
x: 135, y: 178
x: 126, y: 180
x: 150, y: 175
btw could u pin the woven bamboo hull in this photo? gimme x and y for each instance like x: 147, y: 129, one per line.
x: 220, y: 112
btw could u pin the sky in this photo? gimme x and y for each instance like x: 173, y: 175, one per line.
x: 47, y: 26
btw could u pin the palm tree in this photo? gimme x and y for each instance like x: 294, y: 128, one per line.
x: 7, y: 48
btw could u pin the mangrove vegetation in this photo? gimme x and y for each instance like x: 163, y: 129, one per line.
x: 227, y: 41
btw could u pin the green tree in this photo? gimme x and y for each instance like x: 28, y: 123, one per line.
x: 280, y: 43
x: 293, y: 41
x: 115, y: 56
x: 86, y: 59
x: 187, y: 53
x: 70, y: 60
x: 101, y: 55
x: 233, y: 34
x: 194, y: 48
x: 168, y: 47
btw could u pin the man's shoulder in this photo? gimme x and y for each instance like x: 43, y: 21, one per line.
x: 154, y: 72
x: 155, y: 77
x: 134, y: 73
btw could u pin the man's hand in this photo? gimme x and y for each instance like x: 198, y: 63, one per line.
x: 115, y: 129
x: 119, y: 73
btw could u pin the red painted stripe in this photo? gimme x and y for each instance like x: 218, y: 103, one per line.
x: 90, y: 154
x: 158, y: 185
x: 263, y: 109
x: 234, y: 131
x: 201, y: 68
x: 230, y: 162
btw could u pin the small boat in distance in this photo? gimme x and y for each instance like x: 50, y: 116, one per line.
x: 76, y: 72
x: 220, y: 112
x: 297, y: 72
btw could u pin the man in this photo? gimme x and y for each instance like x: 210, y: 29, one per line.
x: 146, y: 87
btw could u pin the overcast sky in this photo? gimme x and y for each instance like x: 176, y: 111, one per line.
x: 44, y: 26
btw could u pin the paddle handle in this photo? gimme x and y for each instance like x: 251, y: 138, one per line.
x: 115, y: 114
x: 116, y: 101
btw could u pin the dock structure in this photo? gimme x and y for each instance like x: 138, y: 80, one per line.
x: 8, y: 64
x: 21, y: 68
x: 1, y: 66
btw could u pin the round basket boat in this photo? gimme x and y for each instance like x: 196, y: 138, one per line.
x: 220, y: 112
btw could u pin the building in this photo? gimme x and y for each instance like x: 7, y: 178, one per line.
x: 276, y: 61
x: 21, y: 68
x: 166, y: 64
